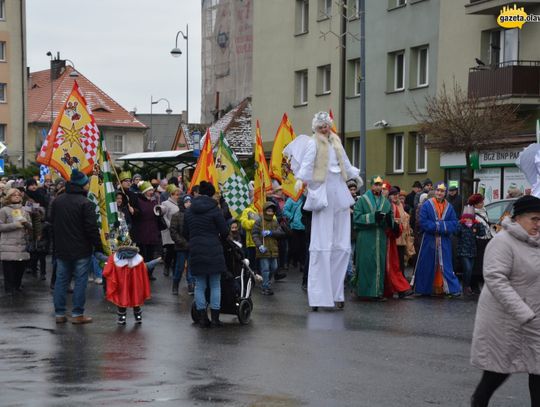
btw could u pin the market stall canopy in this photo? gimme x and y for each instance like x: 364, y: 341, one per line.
x: 175, y: 159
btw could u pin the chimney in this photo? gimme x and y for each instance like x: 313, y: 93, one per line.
x: 57, y: 68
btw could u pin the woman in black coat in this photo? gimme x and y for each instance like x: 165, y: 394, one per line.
x: 204, y: 228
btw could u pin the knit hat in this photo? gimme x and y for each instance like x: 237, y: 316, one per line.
x: 135, y: 176
x: 393, y: 191
x: 124, y: 175
x: 187, y: 198
x: 475, y: 199
x: 10, y: 192
x: 206, y: 188
x: 526, y: 204
x: 171, y: 189
x: 352, y: 183
x: 144, y: 186
x: 417, y: 184
x: 514, y: 191
x: 321, y: 118
x: 427, y: 181
x: 78, y: 178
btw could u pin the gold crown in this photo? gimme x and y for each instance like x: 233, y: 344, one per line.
x: 377, y: 180
x: 441, y: 186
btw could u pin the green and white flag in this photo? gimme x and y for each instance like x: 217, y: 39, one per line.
x: 102, y: 193
x: 232, y: 178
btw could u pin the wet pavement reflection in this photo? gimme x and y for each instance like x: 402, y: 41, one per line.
x: 398, y: 353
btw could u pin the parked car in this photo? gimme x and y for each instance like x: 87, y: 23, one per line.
x: 497, y: 211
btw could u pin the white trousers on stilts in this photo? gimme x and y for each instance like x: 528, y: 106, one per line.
x: 330, y: 246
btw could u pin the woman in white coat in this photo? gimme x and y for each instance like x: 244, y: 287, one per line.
x: 325, y: 170
x: 506, y: 336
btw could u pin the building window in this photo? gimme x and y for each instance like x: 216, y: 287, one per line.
x: 301, y: 86
x: 2, y: 50
x: 396, y: 64
x: 325, y: 9
x: 422, y: 68
x: 2, y: 133
x: 396, y: 3
x: 353, y: 77
x: 421, y: 152
x: 2, y: 9
x: 356, y: 152
x: 419, y: 67
x: 3, y: 87
x: 324, y: 76
x: 398, y: 153
x: 354, y: 6
x: 504, y: 46
x: 302, y: 16
x: 117, y: 143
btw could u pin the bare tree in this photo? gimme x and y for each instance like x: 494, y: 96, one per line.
x: 454, y: 121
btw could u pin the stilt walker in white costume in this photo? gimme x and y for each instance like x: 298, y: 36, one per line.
x: 323, y: 166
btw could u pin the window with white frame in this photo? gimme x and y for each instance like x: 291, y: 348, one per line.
x: 356, y: 152
x: 3, y: 92
x: 2, y: 9
x: 302, y: 16
x: 398, y: 153
x: 357, y: 76
x: 353, y: 77
x: 301, y: 86
x: 355, y: 5
x: 421, y: 152
x: 2, y: 133
x: 117, y: 143
x: 422, y: 66
x: 324, y: 77
x: 397, y: 66
x: 2, y: 50
x: 396, y: 3
x: 325, y: 9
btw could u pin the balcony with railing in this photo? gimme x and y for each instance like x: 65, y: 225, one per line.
x: 510, y: 79
x: 493, y: 7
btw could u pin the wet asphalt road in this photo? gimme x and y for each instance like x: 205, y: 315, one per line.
x: 398, y: 353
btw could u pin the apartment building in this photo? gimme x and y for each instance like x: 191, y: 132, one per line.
x: 13, y: 80
x: 296, y: 62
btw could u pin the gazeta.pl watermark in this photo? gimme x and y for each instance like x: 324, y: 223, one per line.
x: 516, y: 17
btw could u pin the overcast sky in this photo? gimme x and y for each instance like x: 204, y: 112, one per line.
x: 123, y: 46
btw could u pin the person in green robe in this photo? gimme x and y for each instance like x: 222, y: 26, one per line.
x: 372, y: 215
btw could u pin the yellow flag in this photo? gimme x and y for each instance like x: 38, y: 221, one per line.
x: 280, y: 166
x: 73, y: 139
x: 334, y: 128
x: 205, y: 170
x: 263, y: 183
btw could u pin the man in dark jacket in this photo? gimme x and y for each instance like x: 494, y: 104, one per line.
x: 455, y: 200
x: 76, y: 236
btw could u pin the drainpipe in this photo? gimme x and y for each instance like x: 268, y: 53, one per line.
x: 342, y: 73
x: 23, y: 73
x: 362, y: 11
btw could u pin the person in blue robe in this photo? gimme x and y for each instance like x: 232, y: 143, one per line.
x: 434, y: 272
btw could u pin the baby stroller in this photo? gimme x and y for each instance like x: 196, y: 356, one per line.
x: 236, y: 285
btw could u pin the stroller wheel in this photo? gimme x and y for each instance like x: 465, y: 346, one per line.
x: 244, y: 311
x: 194, y: 313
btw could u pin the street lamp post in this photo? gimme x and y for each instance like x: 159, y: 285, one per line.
x: 176, y: 52
x: 152, y: 143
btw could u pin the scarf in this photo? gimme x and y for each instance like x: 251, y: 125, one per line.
x: 321, y: 159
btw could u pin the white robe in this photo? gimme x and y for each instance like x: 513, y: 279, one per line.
x: 330, y: 244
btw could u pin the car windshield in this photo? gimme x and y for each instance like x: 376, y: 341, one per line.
x: 495, y: 210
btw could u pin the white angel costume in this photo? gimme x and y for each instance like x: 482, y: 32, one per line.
x: 321, y: 162
x: 529, y: 163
